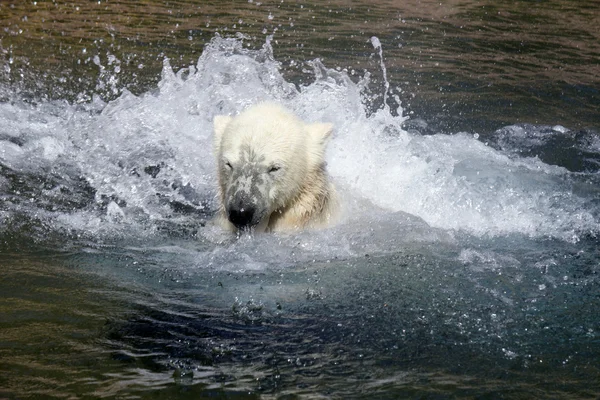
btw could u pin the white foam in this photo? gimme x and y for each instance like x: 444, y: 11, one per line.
x: 452, y: 182
x: 10, y: 153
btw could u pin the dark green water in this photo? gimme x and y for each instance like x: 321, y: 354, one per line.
x: 463, y: 65
x: 467, y: 268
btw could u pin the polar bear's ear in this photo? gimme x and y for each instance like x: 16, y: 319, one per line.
x: 320, y: 132
x: 220, y: 124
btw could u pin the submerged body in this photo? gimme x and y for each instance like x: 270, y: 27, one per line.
x: 271, y: 171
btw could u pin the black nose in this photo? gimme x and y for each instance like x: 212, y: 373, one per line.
x: 241, y: 217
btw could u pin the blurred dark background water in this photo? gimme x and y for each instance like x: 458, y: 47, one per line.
x: 505, y: 316
x: 460, y: 65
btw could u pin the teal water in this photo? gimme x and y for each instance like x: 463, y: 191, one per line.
x: 466, y: 150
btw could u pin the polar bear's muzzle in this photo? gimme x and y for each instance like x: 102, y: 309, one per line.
x: 246, y: 201
x: 243, y: 216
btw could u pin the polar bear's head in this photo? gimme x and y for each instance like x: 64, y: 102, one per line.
x: 265, y: 156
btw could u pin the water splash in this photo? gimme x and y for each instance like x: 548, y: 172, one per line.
x: 377, y: 46
x: 145, y: 163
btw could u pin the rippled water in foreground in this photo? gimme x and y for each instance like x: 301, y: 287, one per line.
x: 467, y: 262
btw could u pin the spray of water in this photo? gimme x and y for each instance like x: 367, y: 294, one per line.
x: 145, y: 162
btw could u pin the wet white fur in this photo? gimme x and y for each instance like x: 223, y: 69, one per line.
x: 299, y: 195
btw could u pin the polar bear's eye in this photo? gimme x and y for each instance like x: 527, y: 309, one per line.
x: 274, y: 168
x: 228, y: 165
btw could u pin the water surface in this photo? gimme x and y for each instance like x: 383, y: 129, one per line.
x: 466, y: 150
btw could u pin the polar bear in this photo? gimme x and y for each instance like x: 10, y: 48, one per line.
x: 271, y: 171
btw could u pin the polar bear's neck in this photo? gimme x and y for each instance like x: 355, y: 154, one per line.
x: 313, y: 207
